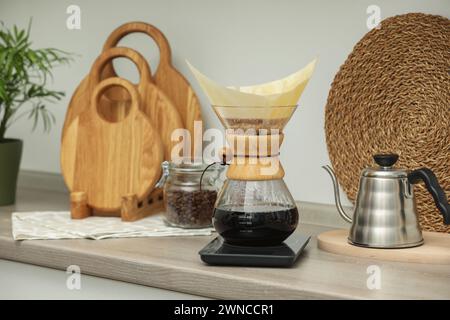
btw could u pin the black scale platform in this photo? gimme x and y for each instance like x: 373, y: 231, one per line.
x: 219, y: 253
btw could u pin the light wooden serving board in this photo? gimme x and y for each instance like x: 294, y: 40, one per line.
x: 154, y: 102
x: 171, y: 83
x: 435, y: 250
x: 166, y: 77
x: 108, y: 160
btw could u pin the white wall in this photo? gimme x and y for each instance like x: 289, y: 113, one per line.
x: 234, y: 42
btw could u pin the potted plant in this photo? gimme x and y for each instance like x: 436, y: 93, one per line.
x: 24, y: 75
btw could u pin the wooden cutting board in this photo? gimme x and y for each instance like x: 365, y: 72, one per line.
x: 435, y: 250
x: 108, y: 160
x: 167, y: 78
x: 154, y: 102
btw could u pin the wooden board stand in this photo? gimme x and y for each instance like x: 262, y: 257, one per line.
x: 131, y: 209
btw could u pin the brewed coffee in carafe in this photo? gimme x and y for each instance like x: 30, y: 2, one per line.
x: 255, y: 212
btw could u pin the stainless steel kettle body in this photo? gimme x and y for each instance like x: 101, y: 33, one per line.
x: 385, y: 214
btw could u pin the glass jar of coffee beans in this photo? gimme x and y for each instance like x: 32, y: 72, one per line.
x: 188, y: 205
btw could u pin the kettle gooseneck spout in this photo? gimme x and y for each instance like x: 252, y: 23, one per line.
x: 337, y: 197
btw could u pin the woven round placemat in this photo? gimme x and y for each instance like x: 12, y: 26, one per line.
x: 392, y: 94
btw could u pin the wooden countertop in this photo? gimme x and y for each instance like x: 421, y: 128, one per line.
x: 174, y: 264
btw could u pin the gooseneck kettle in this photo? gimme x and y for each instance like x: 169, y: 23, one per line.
x: 385, y: 214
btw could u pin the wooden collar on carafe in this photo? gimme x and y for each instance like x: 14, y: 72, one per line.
x: 253, y: 157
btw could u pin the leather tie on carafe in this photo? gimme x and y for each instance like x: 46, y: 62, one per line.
x: 222, y: 163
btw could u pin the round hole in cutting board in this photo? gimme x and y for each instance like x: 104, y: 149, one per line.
x: 125, y: 68
x: 114, y: 110
x: 143, y: 44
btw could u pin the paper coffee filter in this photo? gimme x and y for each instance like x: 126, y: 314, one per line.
x: 278, y: 93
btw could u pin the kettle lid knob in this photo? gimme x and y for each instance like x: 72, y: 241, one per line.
x: 386, y: 160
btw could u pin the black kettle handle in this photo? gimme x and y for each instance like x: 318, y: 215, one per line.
x: 432, y: 184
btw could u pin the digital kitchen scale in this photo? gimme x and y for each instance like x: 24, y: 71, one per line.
x: 284, y: 255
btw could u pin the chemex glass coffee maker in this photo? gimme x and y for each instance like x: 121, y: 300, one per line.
x: 255, y: 214
x: 254, y: 207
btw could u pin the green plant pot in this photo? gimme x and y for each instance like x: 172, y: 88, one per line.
x: 10, y: 155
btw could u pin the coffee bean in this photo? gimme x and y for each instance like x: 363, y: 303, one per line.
x: 190, y: 209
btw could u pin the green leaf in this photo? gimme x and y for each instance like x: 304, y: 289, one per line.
x: 3, y: 94
x: 23, y: 78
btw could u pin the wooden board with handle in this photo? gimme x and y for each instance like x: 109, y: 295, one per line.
x: 176, y: 106
x: 114, y: 103
x: 154, y: 102
x: 166, y: 77
x: 109, y: 160
x: 435, y: 250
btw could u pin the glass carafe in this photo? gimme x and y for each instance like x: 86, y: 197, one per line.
x: 254, y: 207
x: 253, y: 213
